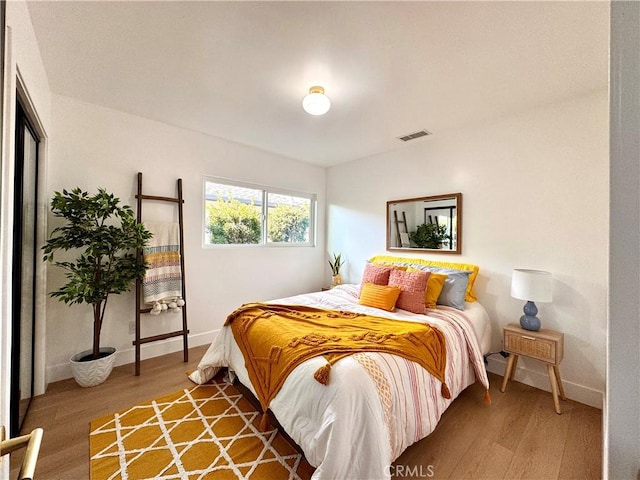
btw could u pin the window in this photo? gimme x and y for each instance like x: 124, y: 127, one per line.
x: 242, y: 214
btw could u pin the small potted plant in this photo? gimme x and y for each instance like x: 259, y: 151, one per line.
x: 430, y: 235
x: 105, y: 236
x: 335, y: 265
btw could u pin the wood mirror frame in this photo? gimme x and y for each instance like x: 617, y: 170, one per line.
x: 405, y: 216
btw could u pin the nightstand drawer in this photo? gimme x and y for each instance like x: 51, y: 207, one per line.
x: 544, y: 345
x: 530, y: 346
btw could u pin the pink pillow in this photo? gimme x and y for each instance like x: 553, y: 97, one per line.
x: 413, y: 286
x: 376, y: 274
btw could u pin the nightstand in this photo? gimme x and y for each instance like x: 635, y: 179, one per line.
x: 544, y: 345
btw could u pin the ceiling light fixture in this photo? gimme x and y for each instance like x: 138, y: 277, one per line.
x: 316, y: 102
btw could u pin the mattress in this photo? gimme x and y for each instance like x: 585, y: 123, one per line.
x: 357, y: 435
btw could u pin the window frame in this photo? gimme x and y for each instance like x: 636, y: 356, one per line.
x: 264, y: 214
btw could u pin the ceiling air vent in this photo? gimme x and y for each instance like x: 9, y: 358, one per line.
x: 413, y: 136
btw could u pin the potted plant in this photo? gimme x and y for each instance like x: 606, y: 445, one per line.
x: 105, y: 236
x: 430, y: 235
x: 335, y: 265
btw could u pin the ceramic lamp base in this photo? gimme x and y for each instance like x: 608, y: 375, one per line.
x: 529, y: 321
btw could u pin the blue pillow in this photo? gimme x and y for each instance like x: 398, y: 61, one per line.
x: 454, y: 289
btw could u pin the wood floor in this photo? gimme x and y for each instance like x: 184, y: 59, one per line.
x: 519, y: 436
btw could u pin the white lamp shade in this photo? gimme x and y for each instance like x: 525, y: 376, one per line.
x: 316, y: 102
x: 531, y: 285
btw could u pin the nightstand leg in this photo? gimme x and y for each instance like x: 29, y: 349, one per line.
x: 559, y: 380
x: 507, y: 371
x: 554, y: 388
x: 515, y: 365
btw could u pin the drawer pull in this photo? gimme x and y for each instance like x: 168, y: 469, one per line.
x: 528, y: 338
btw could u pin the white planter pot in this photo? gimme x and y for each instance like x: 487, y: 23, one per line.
x: 92, y: 372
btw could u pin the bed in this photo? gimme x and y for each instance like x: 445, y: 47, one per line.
x: 376, y: 404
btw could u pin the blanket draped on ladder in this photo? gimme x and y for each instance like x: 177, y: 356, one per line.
x: 162, y: 284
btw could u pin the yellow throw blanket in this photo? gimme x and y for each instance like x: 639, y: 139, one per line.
x: 275, y: 339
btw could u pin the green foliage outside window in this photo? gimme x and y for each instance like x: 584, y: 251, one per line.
x: 231, y: 221
x: 288, y: 223
x: 234, y: 222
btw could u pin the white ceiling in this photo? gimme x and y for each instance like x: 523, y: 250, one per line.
x: 239, y: 70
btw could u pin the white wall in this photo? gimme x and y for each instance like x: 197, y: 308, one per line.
x: 535, y: 195
x: 622, y: 403
x: 95, y: 147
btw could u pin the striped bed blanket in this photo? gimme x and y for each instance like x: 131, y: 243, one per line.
x: 375, y: 405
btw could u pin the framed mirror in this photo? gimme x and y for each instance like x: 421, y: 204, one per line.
x: 432, y: 224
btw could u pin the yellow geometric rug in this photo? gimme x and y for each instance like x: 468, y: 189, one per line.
x: 206, y: 432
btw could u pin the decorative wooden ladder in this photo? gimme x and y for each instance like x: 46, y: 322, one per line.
x: 184, y: 332
x: 398, y: 223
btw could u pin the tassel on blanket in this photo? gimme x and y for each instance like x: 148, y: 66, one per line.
x: 487, y: 398
x: 322, y: 374
x: 162, y: 306
x: 264, y: 423
x: 445, y: 391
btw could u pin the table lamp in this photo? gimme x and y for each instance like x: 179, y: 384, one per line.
x: 532, y: 286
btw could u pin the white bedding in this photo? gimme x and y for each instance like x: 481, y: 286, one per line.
x: 375, y: 404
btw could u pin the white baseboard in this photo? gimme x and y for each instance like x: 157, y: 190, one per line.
x: 148, y: 350
x: 573, y: 391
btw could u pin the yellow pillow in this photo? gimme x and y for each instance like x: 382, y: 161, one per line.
x: 435, y: 283
x: 379, y: 296
x: 391, y: 265
x: 434, y: 287
x: 470, y: 294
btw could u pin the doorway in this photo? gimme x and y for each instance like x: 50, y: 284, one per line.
x: 25, y: 258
